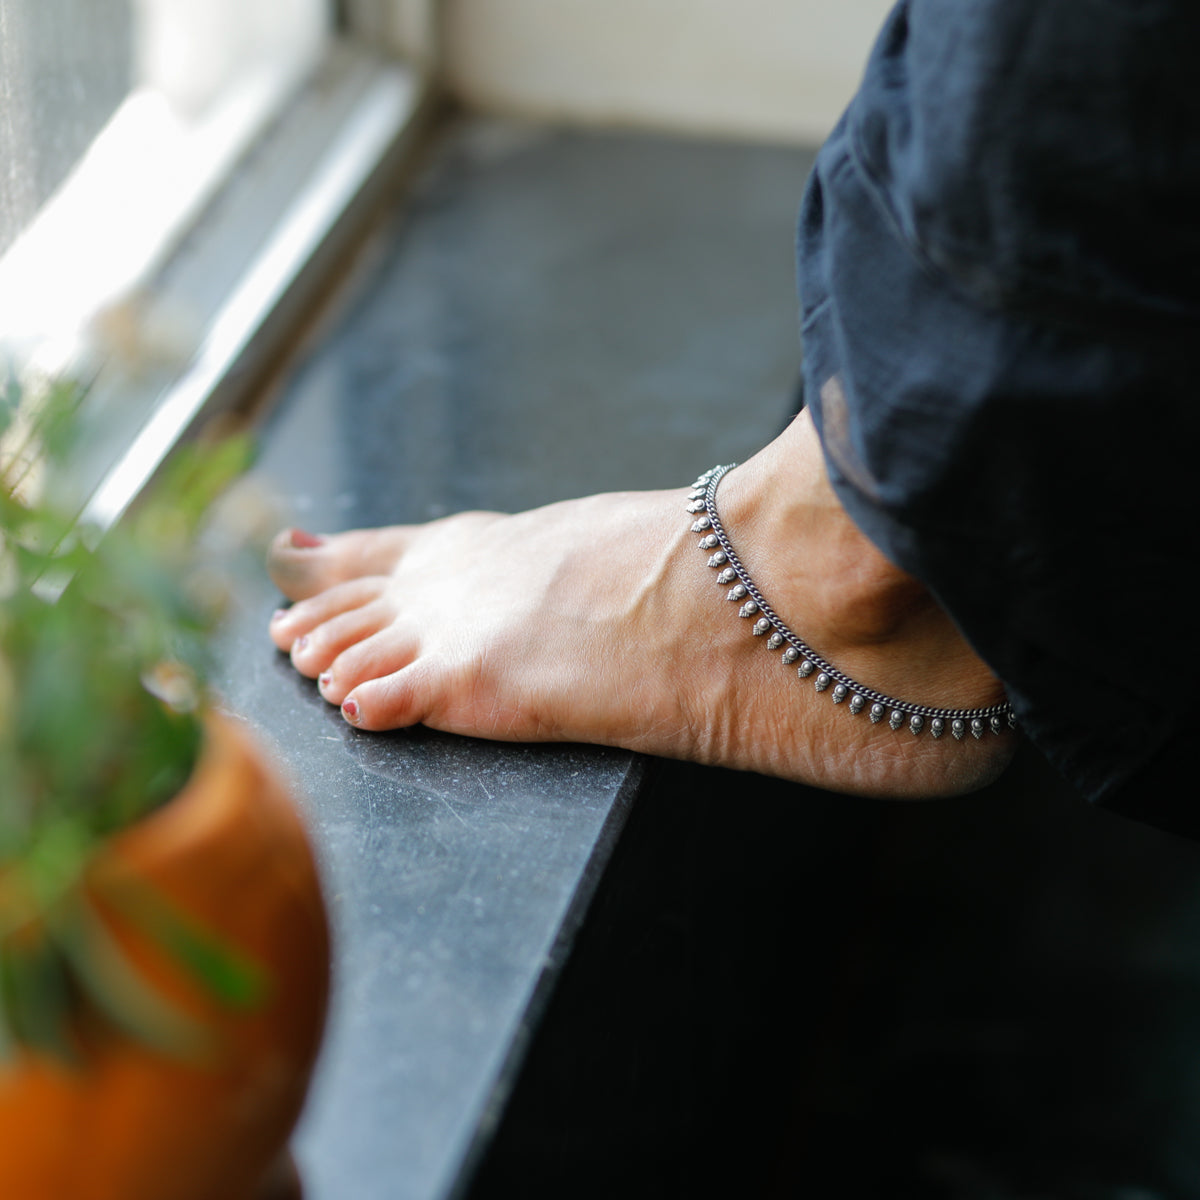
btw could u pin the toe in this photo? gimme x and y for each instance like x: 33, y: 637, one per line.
x: 302, y: 564
x: 392, y: 701
x: 313, y: 652
x: 292, y: 563
x: 382, y: 654
x: 288, y: 625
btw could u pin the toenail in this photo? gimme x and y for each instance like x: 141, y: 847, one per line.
x: 350, y: 711
x: 325, y: 679
x: 278, y: 615
x: 300, y: 643
x: 305, y: 541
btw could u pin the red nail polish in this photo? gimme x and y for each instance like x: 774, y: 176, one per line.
x: 305, y: 541
x: 325, y: 679
x: 350, y: 711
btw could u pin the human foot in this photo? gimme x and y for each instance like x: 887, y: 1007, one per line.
x: 598, y: 620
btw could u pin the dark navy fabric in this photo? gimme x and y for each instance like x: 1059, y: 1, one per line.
x: 999, y: 267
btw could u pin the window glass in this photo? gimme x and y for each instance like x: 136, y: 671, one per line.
x: 65, y: 66
x: 119, y: 122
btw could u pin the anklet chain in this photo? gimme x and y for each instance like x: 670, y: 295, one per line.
x: 956, y: 721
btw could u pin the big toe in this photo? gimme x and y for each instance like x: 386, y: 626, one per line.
x: 303, y: 564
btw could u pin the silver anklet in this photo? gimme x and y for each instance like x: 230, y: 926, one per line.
x: 958, y: 721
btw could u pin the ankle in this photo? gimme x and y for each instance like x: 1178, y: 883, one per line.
x: 865, y: 600
x: 806, y: 551
x: 826, y: 579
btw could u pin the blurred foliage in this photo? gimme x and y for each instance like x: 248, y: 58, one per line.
x: 102, y: 665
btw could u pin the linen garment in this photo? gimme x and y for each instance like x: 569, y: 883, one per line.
x: 999, y: 268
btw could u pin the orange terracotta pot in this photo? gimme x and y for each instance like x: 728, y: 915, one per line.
x: 229, y: 854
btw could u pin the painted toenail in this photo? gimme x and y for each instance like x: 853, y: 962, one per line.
x: 350, y: 711
x: 305, y: 541
x: 300, y: 643
x: 278, y: 615
x: 325, y: 679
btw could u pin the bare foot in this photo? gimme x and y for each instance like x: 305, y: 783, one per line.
x: 598, y: 620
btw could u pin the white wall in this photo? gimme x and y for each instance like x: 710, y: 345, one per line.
x: 771, y: 69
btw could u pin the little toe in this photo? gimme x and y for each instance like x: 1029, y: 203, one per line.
x: 302, y: 564
x: 288, y: 625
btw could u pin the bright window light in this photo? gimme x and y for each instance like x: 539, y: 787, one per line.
x: 209, y: 77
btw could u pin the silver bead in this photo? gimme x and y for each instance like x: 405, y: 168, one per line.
x: 822, y: 682
x: 805, y: 669
x: 857, y: 703
x: 840, y: 693
x: 775, y: 641
x: 790, y: 655
x: 915, y: 724
x: 877, y: 711
x: 701, y: 525
x: 958, y: 728
x: 761, y: 626
x: 727, y: 576
x: 937, y: 727
x: 896, y: 719
x: 977, y: 728
x: 719, y: 559
x: 1012, y: 719
x: 997, y: 724
x: 710, y: 543
x: 737, y: 592
x: 748, y: 609
x: 696, y: 506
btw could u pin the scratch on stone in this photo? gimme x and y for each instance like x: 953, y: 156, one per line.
x: 366, y: 775
x: 452, y: 809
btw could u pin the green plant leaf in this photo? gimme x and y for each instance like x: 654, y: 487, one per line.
x: 85, y: 749
x: 38, y: 999
x: 113, y: 985
x: 227, y: 975
x: 8, y: 1040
